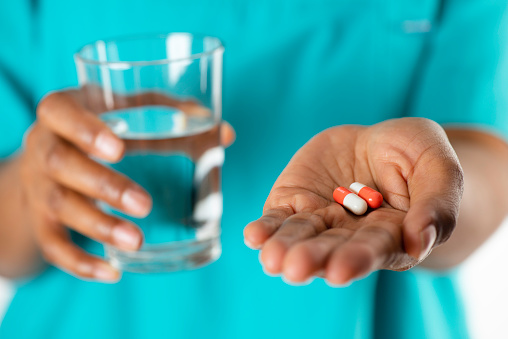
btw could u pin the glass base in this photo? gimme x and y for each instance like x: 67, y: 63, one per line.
x: 176, y: 256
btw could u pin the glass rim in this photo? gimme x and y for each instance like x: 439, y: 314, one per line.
x: 78, y: 54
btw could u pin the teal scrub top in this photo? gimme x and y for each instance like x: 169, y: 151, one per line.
x: 292, y: 69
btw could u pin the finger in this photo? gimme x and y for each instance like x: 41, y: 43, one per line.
x: 435, y: 198
x: 192, y: 108
x: 58, y: 249
x: 257, y: 232
x: 308, y: 257
x: 63, y: 114
x: 72, y: 169
x: 95, y: 98
x: 80, y: 214
x: 372, y: 247
x: 294, y: 229
x: 227, y: 135
x: 189, y: 107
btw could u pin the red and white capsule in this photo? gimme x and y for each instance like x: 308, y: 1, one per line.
x: 350, y: 200
x: 373, y: 198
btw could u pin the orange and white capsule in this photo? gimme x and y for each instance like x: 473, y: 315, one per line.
x: 373, y: 198
x: 350, y: 200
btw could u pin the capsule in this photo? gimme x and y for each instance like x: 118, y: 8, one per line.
x: 350, y: 200
x: 373, y: 198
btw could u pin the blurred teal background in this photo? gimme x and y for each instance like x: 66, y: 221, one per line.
x: 292, y: 69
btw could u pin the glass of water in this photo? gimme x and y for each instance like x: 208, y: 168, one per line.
x: 162, y: 95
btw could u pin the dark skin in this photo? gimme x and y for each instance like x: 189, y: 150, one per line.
x: 54, y: 182
x: 303, y: 233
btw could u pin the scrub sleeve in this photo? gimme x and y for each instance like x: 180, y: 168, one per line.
x: 16, y: 106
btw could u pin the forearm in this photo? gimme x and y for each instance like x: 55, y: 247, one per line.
x: 484, y: 160
x: 18, y: 253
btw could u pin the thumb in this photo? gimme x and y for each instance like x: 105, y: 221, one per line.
x: 434, y: 207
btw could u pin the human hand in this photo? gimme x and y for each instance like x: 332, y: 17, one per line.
x: 60, y: 183
x: 303, y: 232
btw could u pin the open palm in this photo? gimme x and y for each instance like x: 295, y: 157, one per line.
x: 304, y: 233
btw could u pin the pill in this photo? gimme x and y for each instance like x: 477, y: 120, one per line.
x: 373, y: 198
x: 350, y: 200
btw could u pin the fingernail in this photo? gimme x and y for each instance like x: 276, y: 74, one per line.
x: 105, y: 272
x: 428, y: 238
x: 192, y: 109
x: 250, y: 245
x: 126, y: 237
x: 302, y: 283
x: 200, y: 111
x: 108, y: 145
x: 346, y: 284
x: 270, y: 274
x: 136, y: 201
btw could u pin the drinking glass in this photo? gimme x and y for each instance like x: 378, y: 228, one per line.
x: 161, y: 94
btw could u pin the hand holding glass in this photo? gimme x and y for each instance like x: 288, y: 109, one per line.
x: 162, y: 96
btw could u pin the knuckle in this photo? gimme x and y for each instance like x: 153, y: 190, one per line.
x: 111, y: 187
x: 47, y: 105
x: 55, y: 198
x: 456, y: 174
x: 103, y: 229
x: 55, y: 157
x: 32, y: 136
x: 48, y: 252
x: 88, y: 133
